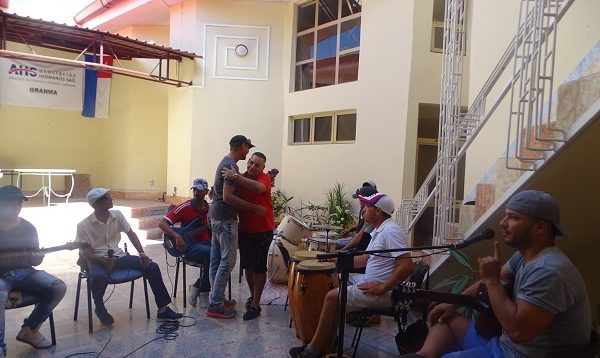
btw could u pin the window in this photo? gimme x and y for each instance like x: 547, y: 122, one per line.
x: 327, y: 43
x: 437, y: 27
x: 322, y: 128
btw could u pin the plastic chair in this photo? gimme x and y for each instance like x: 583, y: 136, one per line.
x: 19, y: 299
x: 120, y: 275
x: 417, y: 277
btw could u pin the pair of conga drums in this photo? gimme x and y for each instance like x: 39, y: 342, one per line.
x: 308, y: 282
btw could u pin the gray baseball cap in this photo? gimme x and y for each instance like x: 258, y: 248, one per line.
x: 538, y: 204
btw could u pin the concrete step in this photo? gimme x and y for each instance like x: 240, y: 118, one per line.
x: 154, y: 234
x: 146, y: 222
x: 154, y: 210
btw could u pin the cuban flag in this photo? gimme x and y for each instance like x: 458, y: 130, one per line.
x: 96, y: 92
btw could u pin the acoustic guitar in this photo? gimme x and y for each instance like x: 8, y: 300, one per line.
x: 9, y: 259
x: 187, y: 233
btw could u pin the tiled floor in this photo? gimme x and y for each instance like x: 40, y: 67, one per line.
x: 266, y: 336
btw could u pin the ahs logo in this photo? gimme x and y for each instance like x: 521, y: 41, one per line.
x: 23, y: 70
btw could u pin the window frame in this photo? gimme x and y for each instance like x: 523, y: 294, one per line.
x: 315, y: 29
x: 334, y: 118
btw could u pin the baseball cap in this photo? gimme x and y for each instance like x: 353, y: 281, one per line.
x: 95, y: 194
x: 370, y: 183
x: 11, y: 192
x: 200, y: 184
x: 239, y: 140
x: 379, y: 200
x: 537, y: 204
x: 365, y: 191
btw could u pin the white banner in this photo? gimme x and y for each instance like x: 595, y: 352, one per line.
x: 42, y: 85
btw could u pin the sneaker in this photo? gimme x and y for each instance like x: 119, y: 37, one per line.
x: 229, y: 304
x: 169, y: 314
x: 33, y: 337
x: 220, y: 312
x: 299, y: 352
x: 105, y: 318
x: 251, y: 313
x: 203, y: 300
x: 193, y: 295
x: 249, y: 302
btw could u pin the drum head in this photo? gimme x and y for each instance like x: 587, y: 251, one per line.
x: 315, y: 266
x: 302, y: 255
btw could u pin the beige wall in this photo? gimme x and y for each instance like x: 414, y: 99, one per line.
x: 577, y: 34
x: 219, y: 108
x: 123, y: 151
x: 158, y: 33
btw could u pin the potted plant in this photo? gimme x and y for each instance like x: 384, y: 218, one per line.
x: 280, y: 202
x: 339, y: 207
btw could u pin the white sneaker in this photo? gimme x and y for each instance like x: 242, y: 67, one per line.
x: 33, y: 337
x: 203, y: 300
x: 193, y: 295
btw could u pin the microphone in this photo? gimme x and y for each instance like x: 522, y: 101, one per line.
x: 110, y: 253
x: 486, y: 234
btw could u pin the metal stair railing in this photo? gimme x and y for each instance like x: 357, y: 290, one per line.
x: 464, y: 127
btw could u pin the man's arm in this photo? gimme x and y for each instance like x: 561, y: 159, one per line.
x: 250, y: 184
x: 403, y: 267
x: 166, y: 227
x: 355, y: 239
x: 230, y: 198
x: 135, y: 241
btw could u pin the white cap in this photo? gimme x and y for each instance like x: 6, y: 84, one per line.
x: 96, y: 194
x: 379, y: 200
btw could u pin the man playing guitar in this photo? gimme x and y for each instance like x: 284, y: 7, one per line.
x: 17, y: 235
x: 196, y: 248
x: 548, y: 314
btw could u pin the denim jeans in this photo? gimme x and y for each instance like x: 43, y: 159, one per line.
x: 100, y: 277
x: 223, y: 255
x: 200, y: 252
x: 48, y: 288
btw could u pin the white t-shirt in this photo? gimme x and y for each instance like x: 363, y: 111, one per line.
x: 101, y: 236
x: 387, y: 236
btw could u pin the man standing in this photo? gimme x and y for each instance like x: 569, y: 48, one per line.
x: 255, y: 231
x: 18, y: 236
x: 548, y: 313
x: 102, y: 231
x: 197, y: 247
x: 224, y: 212
x: 373, y: 288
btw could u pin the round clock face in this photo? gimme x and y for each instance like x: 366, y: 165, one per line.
x: 241, y: 50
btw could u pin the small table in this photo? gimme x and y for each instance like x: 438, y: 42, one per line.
x: 46, y: 189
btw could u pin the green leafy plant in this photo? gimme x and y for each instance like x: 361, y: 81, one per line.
x: 339, y: 207
x: 458, y: 283
x: 280, y: 202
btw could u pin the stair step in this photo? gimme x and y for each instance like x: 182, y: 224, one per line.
x: 154, y: 234
x: 146, y: 222
x: 154, y: 210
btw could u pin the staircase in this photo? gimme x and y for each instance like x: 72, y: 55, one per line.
x: 144, y: 217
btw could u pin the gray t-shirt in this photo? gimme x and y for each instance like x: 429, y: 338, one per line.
x: 22, y: 237
x: 220, y: 210
x: 551, y: 282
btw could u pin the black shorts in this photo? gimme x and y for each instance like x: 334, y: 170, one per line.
x: 254, y: 250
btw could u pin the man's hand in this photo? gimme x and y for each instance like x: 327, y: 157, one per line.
x: 179, y: 243
x: 490, y: 266
x: 372, y: 288
x: 344, y: 232
x: 144, y: 260
x: 107, y: 262
x: 259, y: 210
x: 36, y: 258
x: 441, y: 313
x: 228, y: 173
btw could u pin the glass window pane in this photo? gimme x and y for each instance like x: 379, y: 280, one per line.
x: 348, y: 68
x: 326, y: 42
x: 323, y: 129
x: 438, y: 10
x: 351, y: 7
x: 346, y: 127
x: 328, y: 11
x: 325, y: 72
x: 302, y: 130
x: 438, y: 38
x: 304, y: 77
x: 305, y: 47
x: 350, y: 34
x: 306, y: 17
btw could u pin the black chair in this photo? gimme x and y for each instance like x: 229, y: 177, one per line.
x: 419, y: 275
x: 120, y: 275
x: 19, y: 299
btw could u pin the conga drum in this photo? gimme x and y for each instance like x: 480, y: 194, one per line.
x: 295, y: 259
x: 313, y: 280
x: 276, y: 264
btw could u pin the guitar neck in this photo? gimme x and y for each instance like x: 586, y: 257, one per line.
x: 195, y: 231
x: 452, y: 298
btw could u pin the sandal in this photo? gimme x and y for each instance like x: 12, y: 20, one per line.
x: 249, y: 302
x: 251, y: 313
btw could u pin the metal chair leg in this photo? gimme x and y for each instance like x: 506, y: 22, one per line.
x: 77, y: 296
x: 241, y: 274
x: 184, y: 283
x: 146, y: 297
x: 89, y: 299
x: 177, y: 260
x: 52, y: 331
x: 131, y: 295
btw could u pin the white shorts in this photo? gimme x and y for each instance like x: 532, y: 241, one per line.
x: 358, y: 300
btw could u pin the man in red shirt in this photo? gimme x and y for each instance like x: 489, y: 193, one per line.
x: 197, y: 247
x: 255, y: 231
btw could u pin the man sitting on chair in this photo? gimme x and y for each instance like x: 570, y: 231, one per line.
x: 102, y: 231
x: 373, y: 288
x: 548, y: 314
x: 18, y: 235
x: 196, y: 248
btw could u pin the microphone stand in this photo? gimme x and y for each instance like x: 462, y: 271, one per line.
x: 345, y: 262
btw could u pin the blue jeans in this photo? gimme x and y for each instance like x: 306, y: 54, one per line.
x: 223, y: 255
x: 200, y: 252
x: 100, y: 277
x: 48, y: 288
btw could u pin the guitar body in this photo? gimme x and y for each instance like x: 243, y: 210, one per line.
x: 487, y: 324
x: 8, y: 259
x: 187, y: 233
